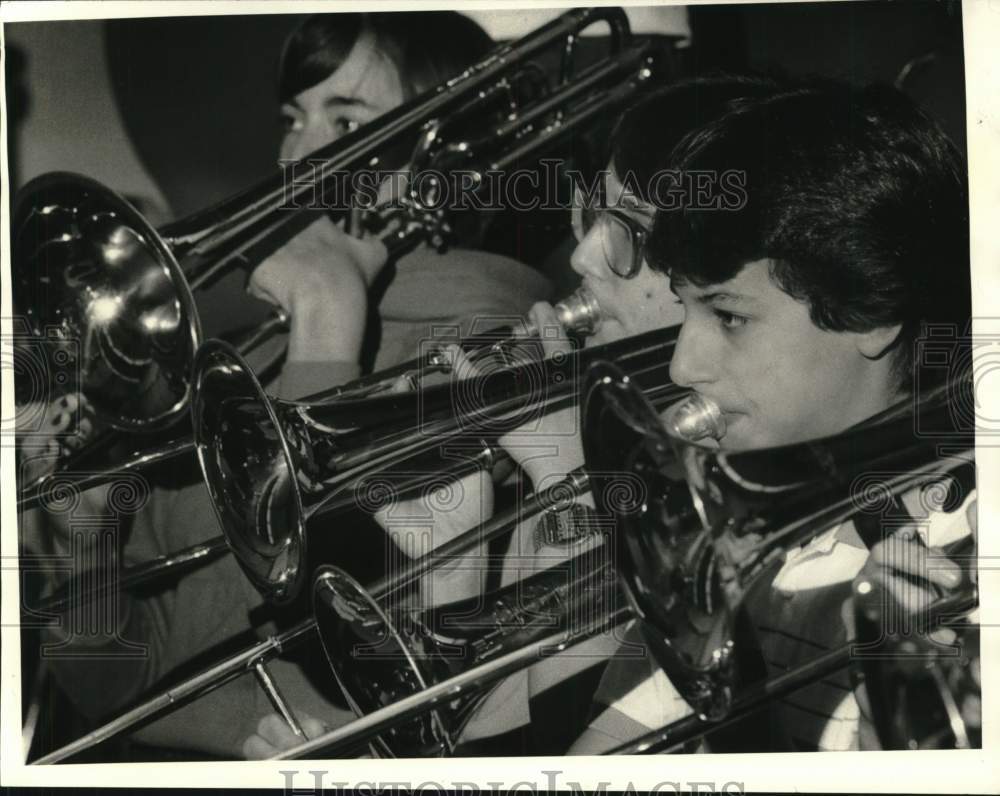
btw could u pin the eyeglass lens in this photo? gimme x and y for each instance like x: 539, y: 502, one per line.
x: 617, y: 244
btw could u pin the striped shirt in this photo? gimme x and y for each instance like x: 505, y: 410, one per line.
x: 798, y: 614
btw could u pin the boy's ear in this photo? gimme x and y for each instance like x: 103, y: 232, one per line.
x: 878, y: 341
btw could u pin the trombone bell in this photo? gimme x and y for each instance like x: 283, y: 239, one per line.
x: 249, y: 471
x: 713, y: 523
x: 383, y: 655
x: 95, y: 280
x: 362, y: 641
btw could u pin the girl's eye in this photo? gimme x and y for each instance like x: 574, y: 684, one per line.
x: 345, y: 126
x: 730, y: 321
x: 291, y: 123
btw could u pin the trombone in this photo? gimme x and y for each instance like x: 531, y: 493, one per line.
x: 270, y: 465
x: 113, y: 297
x: 255, y: 658
x: 678, y: 569
x: 717, y: 522
x: 885, y: 715
x: 578, y: 314
x: 694, y: 497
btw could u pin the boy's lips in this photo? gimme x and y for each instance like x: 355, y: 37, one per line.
x: 729, y: 414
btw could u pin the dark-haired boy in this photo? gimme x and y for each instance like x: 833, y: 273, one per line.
x: 802, y: 308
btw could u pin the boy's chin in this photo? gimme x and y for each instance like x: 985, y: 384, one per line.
x: 735, y: 439
x: 741, y: 435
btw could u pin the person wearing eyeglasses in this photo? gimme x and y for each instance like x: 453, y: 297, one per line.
x: 542, y: 710
x: 350, y: 312
x: 803, y: 308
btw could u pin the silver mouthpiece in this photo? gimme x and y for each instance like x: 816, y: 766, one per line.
x: 579, y: 312
x: 696, y: 418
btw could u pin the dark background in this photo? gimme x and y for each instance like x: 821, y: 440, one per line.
x: 197, y: 95
x: 178, y: 113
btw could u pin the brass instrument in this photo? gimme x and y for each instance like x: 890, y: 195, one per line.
x: 922, y: 693
x: 578, y: 313
x: 382, y: 656
x: 674, y: 736
x: 383, y: 653
x: 415, y: 676
x: 255, y: 658
x: 271, y: 464
x: 686, y: 595
x: 709, y: 524
x: 715, y: 522
x: 113, y: 297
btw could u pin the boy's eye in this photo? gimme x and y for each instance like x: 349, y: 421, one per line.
x: 729, y: 320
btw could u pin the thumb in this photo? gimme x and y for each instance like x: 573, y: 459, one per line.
x: 260, y: 285
x: 312, y: 728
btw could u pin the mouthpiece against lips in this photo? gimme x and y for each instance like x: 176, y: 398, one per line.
x: 696, y: 418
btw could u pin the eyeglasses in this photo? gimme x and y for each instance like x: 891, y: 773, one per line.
x: 623, y: 239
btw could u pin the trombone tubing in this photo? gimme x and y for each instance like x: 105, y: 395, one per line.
x: 574, y: 485
x: 215, y: 676
x: 665, y: 739
x: 205, y: 242
x: 173, y: 563
x: 646, y: 357
x: 677, y: 733
x: 576, y: 308
x: 356, y: 732
x: 41, y: 487
x: 198, y: 685
x: 239, y: 222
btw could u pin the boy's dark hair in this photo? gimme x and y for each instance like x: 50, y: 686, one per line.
x: 427, y: 47
x: 642, y: 141
x: 856, y: 197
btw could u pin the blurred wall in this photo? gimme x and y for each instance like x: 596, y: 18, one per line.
x: 64, y: 116
x: 182, y: 112
x: 199, y: 98
x: 183, y: 109
x: 857, y: 41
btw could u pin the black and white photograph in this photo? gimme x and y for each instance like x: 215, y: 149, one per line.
x: 408, y: 396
